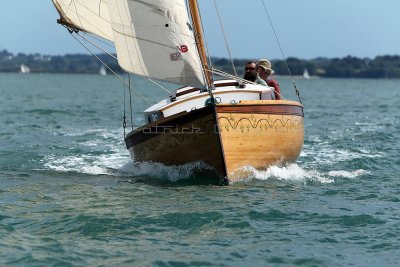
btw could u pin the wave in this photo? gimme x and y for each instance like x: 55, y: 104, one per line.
x: 86, y: 164
x: 122, y: 166
x: 104, y: 154
x: 348, y: 174
x: 295, y: 173
x: 90, y: 151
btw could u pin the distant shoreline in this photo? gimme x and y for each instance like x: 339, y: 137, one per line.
x: 381, y: 67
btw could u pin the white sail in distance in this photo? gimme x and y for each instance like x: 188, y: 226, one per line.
x: 154, y: 38
x: 91, y: 16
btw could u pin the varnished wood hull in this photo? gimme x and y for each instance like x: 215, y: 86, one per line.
x: 260, y: 134
x: 252, y: 133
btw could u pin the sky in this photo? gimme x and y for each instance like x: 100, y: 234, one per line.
x: 306, y: 29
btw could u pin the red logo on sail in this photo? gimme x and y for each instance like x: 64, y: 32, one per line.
x: 183, y: 48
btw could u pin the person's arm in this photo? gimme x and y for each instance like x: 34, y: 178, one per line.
x: 277, y: 91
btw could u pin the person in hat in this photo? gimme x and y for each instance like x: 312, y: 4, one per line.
x: 265, y: 72
x: 250, y: 73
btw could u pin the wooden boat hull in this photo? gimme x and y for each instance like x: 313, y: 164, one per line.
x: 184, y: 138
x: 257, y: 133
x: 260, y: 134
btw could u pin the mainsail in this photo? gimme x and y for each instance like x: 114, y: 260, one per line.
x: 153, y: 38
x: 86, y: 15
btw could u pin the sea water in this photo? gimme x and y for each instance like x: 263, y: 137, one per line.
x: 70, y: 195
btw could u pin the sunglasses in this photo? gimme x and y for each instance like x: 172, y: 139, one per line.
x: 249, y: 68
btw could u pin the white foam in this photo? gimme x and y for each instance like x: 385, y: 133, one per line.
x: 292, y: 172
x: 117, y: 165
x: 347, y: 174
x: 78, y: 164
x: 120, y: 164
x: 105, y: 153
x: 76, y: 132
x: 113, y: 159
x: 94, y: 170
x: 106, y: 163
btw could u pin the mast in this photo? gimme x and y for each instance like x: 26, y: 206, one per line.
x: 198, y: 34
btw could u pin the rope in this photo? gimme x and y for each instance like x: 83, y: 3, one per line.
x: 225, y: 38
x: 280, y: 47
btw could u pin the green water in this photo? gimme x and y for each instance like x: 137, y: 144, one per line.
x: 70, y: 196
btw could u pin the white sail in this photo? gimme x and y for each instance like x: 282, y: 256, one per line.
x: 87, y: 15
x: 102, y: 71
x: 306, y: 75
x: 154, y: 38
x: 24, y: 69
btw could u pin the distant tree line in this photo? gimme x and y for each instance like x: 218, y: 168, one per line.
x: 76, y: 63
x: 348, y: 67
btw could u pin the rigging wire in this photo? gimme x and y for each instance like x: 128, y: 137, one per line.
x: 225, y: 37
x: 101, y: 40
x: 230, y: 76
x: 130, y: 100
x: 136, y: 92
x: 280, y: 47
x: 95, y: 45
x: 124, y: 123
x: 159, y: 85
x: 113, y: 56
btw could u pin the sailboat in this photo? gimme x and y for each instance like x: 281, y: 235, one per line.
x: 306, y: 75
x: 102, y: 71
x: 24, y: 69
x: 229, y: 124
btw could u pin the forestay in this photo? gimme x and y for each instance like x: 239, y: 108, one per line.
x: 91, y: 16
x: 154, y: 38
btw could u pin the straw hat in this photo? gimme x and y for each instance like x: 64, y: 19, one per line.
x: 266, y: 65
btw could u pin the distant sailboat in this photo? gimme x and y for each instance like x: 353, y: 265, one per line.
x: 24, y: 69
x: 103, y: 71
x: 306, y: 75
